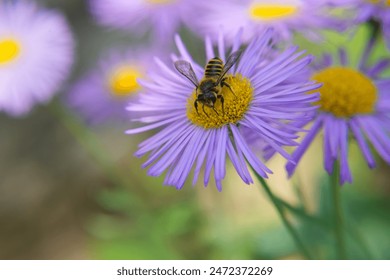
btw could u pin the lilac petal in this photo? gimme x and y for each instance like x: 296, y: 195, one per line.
x: 209, y: 48
x: 378, y: 68
x: 382, y: 136
x: 362, y: 143
x: 383, y: 121
x: 289, y: 89
x: 244, y: 165
x: 220, y: 160
x: 386, y: 32
x: 298, y: 126
x: 265, y: 83
x: 331, y: 133
x: 162, y: 136
x: 240, y: 166
x: 218, y: 184
x: 152, y: 119
x: 182, y: 49
x: 153, y: 126
x: 343, y: 142
x: 329, y: 159
x: 366, y: 53
x: 153, y: 109
x: 306, y: 98
x: 221, y: 47
x: 255, y: 49
x: 264, y: 128
x: 326, y: 61
x: 268, y: 72
x: 202, y: 155
x: 173, y: 140
x: 343, y: 57
x: 172, y: 75
x: 172, y: 154
x: 237, y: 40
x: 257, y: 165
x: 298, y: 153
x: 181, y: 94
x: 187, y: 159
x: 267, y: 113
x: 378, y: 139
x: 210, y: 157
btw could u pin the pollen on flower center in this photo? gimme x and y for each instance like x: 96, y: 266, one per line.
x: 271, y: 11
x: 123, y: 81
x: 346, y: 92
x: 235, y: 105
x: 9, y: 50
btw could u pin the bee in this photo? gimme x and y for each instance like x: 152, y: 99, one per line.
x: 209, y: 89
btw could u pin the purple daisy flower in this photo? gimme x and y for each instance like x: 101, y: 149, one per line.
x: 162, y: 17
x: 355, y: 101
x: 102, y: 93
x: 378, y: 10
x: 36, y: 54
x: 254, y: 16
x: 256, y: 97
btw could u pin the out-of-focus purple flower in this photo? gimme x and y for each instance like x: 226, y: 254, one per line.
x: 102, y: 94
x: 36, y: 54
x: 261, y: 101
x: 286, y: 17
x: 378, y: 10
x: 160, y: 17
x: 355, y: 102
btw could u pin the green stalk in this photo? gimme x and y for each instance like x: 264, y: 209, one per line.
x: 282, y: 214
x: 337, y: 213
x: 349, y: 230
x: 298, y: 191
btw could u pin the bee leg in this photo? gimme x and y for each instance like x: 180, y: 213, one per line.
x: 204, y: 111
x: 222, y: 101
x: 224, y: 83
x: 215, y: 111
x: 196, y: 106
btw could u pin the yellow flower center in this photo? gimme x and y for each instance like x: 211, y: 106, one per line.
x: 9, y: 50
x: 234, y: 107
x: 123, y: 81
x: 160, y: 1
x: 345, y: 92
x: 271, y: 11
x: 387, y: 2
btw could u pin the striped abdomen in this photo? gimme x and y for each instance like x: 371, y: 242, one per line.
x: 213, y: 68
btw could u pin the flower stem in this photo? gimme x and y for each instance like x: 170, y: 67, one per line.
x: 286, y: 222
x: 337, y: 213
x: 298, y: 192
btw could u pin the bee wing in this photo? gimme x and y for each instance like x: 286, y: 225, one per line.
x: 232, y: 59
x: 185, y: 68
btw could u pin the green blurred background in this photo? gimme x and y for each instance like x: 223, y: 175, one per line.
x: 57, y: 201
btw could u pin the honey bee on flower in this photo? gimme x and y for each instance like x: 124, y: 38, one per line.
x: 259, y: 98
